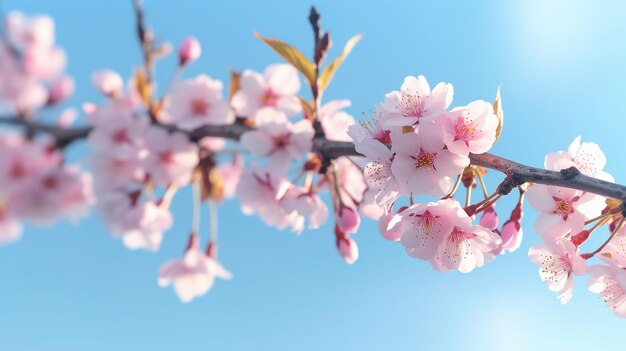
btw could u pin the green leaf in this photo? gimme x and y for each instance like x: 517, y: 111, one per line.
x: 331, y: 68
x: 293, y: 56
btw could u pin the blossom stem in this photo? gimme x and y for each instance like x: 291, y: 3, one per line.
x: 168, y: 195
x: 613, y: 233
x: 213, y: 217
x: 455, y: 187
x: 196, y: 193
x: 482, y: 183
x: 468, y: 196
x: 604, y: 215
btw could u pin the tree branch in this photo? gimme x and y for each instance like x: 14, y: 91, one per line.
x: 516, y: 173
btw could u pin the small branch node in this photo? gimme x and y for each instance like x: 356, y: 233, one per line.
x: 570, y: 173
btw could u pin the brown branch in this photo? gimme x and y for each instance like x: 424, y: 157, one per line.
x: 516, y: 173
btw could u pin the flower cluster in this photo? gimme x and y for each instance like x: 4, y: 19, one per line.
x: 31, y: 66
x: 416, y: 146
x: 412, y: 158
x: 36, y: 185
x: 563, y: 215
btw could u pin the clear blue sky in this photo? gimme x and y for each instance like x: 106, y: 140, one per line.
x: 562, y: 66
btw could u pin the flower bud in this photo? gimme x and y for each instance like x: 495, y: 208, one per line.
x: 511, y: 235
x: 108, y: 82
x: 348, y: 249
x: 60, y: 90
x: 348, y: 220
x: 489, y: 219
x: 189, y: 51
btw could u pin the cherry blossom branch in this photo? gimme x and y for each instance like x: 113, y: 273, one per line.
x: 516, y: 173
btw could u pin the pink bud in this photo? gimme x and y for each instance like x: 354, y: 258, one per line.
x: 489, y: 219
x: 511, y: 235
x: 108, y: 82
x: 348, y: 220
x: 189, y: 51
x: 61, y: 90
x: 67, y: 118
x: 348, y: 249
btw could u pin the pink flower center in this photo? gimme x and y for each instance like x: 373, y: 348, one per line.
x: 411, y: 104
x: 167, y: 157
x: 269, y: 98
x: 464, y: 132
x: 424, y: 159
x: 459, y: 235
x: 120, y: 137
x: 556, y: 268
x: 280, y: 141
x: 50, y: 182
x: 199, y: 107
x: 384, y: 137
x: 17, y: 170
x: 563, y: 207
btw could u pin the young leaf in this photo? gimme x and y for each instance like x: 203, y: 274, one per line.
x: 497, y: 109
x: 309, y: 111
x: 235, y: 78
x: 331, y: 68
x: 293, y: 56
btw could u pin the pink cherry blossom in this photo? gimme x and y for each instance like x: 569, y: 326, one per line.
x: 21, y: 92
x: 373, y: 129
x: 610, y: 283
x: 44, y: 63
x: 61, y: 90
x: 117, y: 132
x: 349, y: 178
x: 300, y: 204
x: 335, y: 122
x: 467, y: 246
x: 368, y: 206
x: 171, y: 157
x: 230, y: 173
x: 415, y: 101
x: 276, y: 88
x: 614, y: 253
x: 22, y: 161
x: 116, y: 173
x: 63, y: 192
x: 10, y: 227
x: 425, y: 227
x: 193, y: 276
x: 558, y: 263
x: 212, y: 143
x: 195, y: 103
x: 562, y: 210
x: 587, y: 157
x: 470, y: 128
x: 422, y: 164
x: 108, y: 82
x: 189, y: 51
x: 144, y: 225
x: 29, y: 31
x: 278, y: 139
x: 260, y: 191
x: 390, y: 224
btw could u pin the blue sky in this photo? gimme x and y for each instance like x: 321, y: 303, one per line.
x: 561, y: 65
